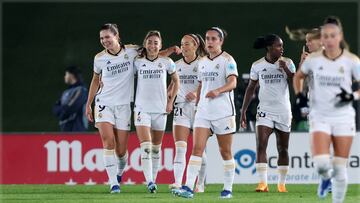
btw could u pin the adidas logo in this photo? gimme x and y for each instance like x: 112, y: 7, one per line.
x: 227, y: 128
x: 321, y: 68
x: 179, y: 70
x: 108, y: 62
x: 144, y: 65
x: 264, y: 69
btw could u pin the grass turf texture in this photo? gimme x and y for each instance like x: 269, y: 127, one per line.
x: 138, y: 193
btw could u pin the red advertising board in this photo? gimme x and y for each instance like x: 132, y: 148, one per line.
x: 72, y: 159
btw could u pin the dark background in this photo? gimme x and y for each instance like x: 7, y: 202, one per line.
x: 41, y: 39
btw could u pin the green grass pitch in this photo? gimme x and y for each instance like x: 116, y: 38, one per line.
x: 137, y: 193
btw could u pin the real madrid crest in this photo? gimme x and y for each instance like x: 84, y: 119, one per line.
x: 126, y: 57
x: 341, y: 70
x: 195, y: 68
x: 160, y: 65
x: 217, y: 66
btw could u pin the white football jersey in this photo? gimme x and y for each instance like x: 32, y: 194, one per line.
x: 151, y: 91
x: 328, y: 76
x: 274, y: 88
x: 188, y: 75
x: 213, y: 73
x: 117, y: 76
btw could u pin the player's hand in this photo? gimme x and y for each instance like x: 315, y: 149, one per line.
x: 176, y: 49
x: 169, y: 107
x: 243, y: 122
x: 89, y: 113
x: 190, y: 96
x: 304, y: 55
x: 282, y: 64
x: 212, y: 94
x: 301, y: 100
x: 345, y: 96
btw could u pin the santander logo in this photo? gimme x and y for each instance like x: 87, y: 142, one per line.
x: 65, y: 156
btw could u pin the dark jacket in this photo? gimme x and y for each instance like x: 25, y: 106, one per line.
x: 70, y: 109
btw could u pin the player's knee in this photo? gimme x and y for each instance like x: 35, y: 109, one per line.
x: 145, y: 148
x: 121, y: 153
x: 108, y: 142
x: 340, y: 171
x: 225, y: 153
x: 109, y: 145
x: 197, y: 151
x: 120, y: 150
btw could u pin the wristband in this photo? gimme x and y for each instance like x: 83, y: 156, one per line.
x: 356, y: 95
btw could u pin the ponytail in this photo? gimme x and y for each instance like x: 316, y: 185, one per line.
x: 265, y: 41
x: 334, y: 20
x: 259, y: 43
x: 201, y: 50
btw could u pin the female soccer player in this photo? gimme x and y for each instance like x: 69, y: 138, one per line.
x: 215, y: 111
x: 274, y: 110
x: 114, y: 67
x: 193, y: 48
x: 313, y: 43
x: 301, y: 110
x: 332, y: 117
x: 152, y: 104
x: 112, y: 105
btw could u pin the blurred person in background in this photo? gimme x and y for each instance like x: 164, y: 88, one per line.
x: 301, y: 107
x: 70, y: 108
x: 251, y: 110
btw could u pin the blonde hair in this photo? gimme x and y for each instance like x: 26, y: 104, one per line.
x: 314, y: 33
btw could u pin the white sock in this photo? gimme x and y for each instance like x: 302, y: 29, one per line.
x: 156, y: 159
x: 229, y: 173
x: 261, y: 170
x: 179, y: 161
x: 322, y: 165
x: 202, y: 172
x: 193, y: 170
x: 283, y: 171
x: 146, y: 163
x: 340, y: 180
x: 122, y: 162
x: 110, y: 166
